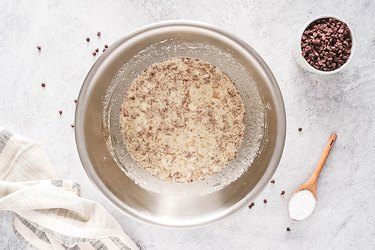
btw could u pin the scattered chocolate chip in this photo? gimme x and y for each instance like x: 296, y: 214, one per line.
x: 43, y: 85
x: 72, y: 125
x: 251, y: 205
x: 97, y: 50
x: 60, y: 112
x: 93, y: 53
x: 99, y: 34
x: 299, y: 129
x: 265, y: 201
x: 39, y: 48
x: 273, y: 181
x: 75, y: 100
x: 288, y: 229
x: 106, y: 46
x: 326, y: 44
x: 87, y: 39
x: 282, y: 192
x: 103, y: 50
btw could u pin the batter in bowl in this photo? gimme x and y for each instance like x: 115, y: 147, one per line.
x: 182, y: 120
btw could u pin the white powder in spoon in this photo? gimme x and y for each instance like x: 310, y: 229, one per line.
x: 301, y: 205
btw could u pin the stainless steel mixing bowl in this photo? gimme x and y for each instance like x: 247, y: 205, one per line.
x: 145, y: 197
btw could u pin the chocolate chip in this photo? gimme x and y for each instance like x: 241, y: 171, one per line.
x: 299, y: 129
x: 39, y: 48
x: 72, y: 125
x: 325, y: 41
x: 99, y: 34
x: 264, y: 201
x: 87, y: 39
x: 273, y: 181
x: 60, y: 112
x: 316, y: 41
x: 282, y: 192
x: 43, y: 85
x: 251, y: 205
x: 75, y: 100
x: 288, y: 229
x: 106, y: 46
x: 93, y: 53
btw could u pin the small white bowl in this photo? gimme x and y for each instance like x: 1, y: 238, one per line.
x: 297, y: 51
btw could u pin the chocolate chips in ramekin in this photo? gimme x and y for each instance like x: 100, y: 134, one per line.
x: 326, y: 44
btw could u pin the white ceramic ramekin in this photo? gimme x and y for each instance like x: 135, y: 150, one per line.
x: 297, y: 50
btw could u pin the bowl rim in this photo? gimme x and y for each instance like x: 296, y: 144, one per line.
x: 230, y: 211
x: 306, y: 64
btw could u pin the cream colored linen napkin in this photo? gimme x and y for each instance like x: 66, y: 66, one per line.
x: 50, y: 214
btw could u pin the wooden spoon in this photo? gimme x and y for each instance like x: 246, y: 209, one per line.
x: 311, y: 184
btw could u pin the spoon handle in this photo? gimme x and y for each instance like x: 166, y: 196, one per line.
x: 323, y: 157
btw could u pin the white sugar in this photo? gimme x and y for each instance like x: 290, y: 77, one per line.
x: 301, y: 205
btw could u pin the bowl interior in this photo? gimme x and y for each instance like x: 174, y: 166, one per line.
x: 144, y: 196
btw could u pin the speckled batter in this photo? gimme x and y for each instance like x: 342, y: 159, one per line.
x: 183, y: 120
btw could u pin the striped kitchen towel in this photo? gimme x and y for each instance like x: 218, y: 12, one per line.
x: 50, y: 214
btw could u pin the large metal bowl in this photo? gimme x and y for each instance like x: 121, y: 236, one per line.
x: 148, y: 198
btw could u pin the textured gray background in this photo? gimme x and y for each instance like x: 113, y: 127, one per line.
x: 345, y: 215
